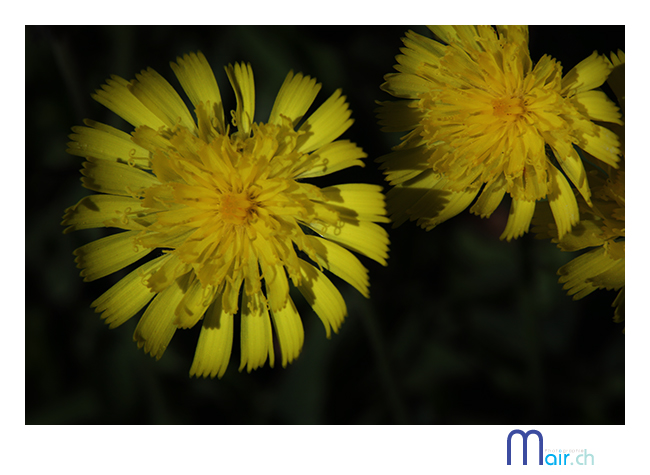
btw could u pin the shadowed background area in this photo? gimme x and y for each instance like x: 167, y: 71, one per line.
x: 461, y: 328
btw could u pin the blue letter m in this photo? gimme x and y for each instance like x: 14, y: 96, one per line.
x: 524, y: 436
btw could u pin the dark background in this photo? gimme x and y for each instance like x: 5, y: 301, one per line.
x: 461, y: 328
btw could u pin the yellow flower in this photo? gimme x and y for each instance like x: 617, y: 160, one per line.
x: 601, y: 227
x: 229, y: 212
x: 480, y: 119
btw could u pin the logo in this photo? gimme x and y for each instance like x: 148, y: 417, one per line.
x: 553, y: 456
x: 524, y: 436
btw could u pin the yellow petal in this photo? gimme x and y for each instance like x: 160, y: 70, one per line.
x: 115, y: 178
x: 514, y: 33
x: 604, y: 145
x: 406, y: 86
x: 586, y: 233
x: 124, y: 299
x: 289, y: 330
x: 521, y: 214
x: 437, y: 206
x: 597, y: 106
x: 197, y: 79
x: 465, y: 34
x: 616, y: 78
x: 323, y: 297
x: 161, y: 98
x: 363, y: 237
x: 403, y: 165
x: 168, y: 273
x: 574, y: 168
x: 333, y: 157
x: 256, y: 333
x: 294, y: 98
x: 215, y: 343
x: 402, y: 197
x: 617, y: 59
x: 276, y: 284
x: 109, y: 254
x: 446, y: 33
x: 326, y: 124
x: 413, y: 63
x: 243, y: 83
x: 156, y: 327
x: 563, y: 202
x: 116, y: 96
x: 194, y: 303
x: 362, y: 201
x: 108, y: 143
x: 172, y: 237
x: 588, y: 74
x: 612, y: 278
x: 150, y: 139
x: 615, y: 249
x: 427, y: 199
x: 592, y: 270
x: 423, y: 48
x: 230, y: 296
x: 97, y: 211
x: 490, y: 198
x: 340, y: 262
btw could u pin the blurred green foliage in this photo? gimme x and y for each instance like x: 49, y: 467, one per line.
x: 461, y: 327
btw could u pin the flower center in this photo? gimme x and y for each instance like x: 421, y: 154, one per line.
x: 236, y: 208
x: 508, y: 109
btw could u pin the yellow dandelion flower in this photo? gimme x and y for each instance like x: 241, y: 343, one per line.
x: 229, y: 210
x: 481, y: 120
x: 602, y: 225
